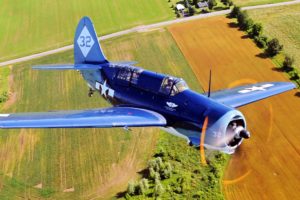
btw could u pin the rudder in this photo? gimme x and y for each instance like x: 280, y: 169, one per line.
x: 87, y: 48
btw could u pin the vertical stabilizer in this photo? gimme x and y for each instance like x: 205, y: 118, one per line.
x: 87, y: 48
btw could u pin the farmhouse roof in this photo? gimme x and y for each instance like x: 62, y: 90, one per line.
x: 180, y: 7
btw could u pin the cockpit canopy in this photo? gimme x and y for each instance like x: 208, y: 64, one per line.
x: 172, y: 86
x: 129, y: 74
x: 150, y: 81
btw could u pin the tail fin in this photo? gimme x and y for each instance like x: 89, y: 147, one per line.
x: 87, y: 49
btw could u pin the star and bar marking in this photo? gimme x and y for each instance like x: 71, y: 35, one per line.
x: 255, y: 88
x: 105, y: 90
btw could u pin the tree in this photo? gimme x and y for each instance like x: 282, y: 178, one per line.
x: 131, y: 188
x: 256, y: 30
x: 159, y: 163
x: 160, y: 153
x: 152, y: 173
x: 157, y: 177
x: 248, y: 24
x: 145, y: 183
x: 212, y: 4
x: 177, y: 13
x: 3, y: 97
x: 191, y: 11
x: 152, y: 164
x: 167, y: 172
x: 168, y: 166
x: 158, y: 189
x: 273, y: 47
x: 288, y: 62
x: 261, y: 41
x: 140, y: 189
x: 244, y: 22
x: 227, y: 2
x: 235, y: 12
x: 195, y: 3
x: 294, y: 75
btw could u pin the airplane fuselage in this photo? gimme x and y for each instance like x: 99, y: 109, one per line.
x: 184, y: 109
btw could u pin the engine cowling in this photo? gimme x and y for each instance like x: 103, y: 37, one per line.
x: 226, y: 131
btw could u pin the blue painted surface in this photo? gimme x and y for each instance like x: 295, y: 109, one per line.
x: 145, y: 98
x: 95, y: 55
x: 108, y: 117
x: 235, y: 99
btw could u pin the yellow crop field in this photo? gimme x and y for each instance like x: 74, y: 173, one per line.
x: 267, y: 165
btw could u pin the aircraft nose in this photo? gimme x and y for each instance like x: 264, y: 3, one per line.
x: 244, y: 134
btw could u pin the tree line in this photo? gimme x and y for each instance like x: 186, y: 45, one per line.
x: 271, y: 47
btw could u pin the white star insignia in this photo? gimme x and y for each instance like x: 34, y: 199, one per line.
x: 255, y: 88
x: 104, y: 88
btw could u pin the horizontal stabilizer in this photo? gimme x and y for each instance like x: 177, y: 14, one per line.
x: 123, y: 62
x: 96, y: 118
x: 68, y: 67
x: 243, y: 95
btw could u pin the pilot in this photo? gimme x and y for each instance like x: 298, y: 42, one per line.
x: 168, y: 86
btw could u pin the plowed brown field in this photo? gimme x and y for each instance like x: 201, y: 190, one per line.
x: 267, y: 166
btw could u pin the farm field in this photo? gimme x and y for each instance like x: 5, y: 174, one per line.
x: 32, y: 26
x: 283, y: 23
x: 77, y: 163
x: 256, y: 2
x: 267, y: 165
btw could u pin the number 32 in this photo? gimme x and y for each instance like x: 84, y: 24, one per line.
x: 85, y: 41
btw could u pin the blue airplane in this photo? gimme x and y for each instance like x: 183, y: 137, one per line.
x: 143, y: 98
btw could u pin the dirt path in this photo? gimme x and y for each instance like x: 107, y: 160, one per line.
x: 267, y: 165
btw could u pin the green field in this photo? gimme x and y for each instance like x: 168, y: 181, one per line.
x: 243, y: 3
x: 77, y: 163
x: 33, y: 26
x: 283, y: 23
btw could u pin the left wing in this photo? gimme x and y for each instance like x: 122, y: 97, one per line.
x: 243, y: 95
x: 97, y: 118
x: 68, y: 67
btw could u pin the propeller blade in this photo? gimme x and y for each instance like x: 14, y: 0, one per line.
x: 202, y: 139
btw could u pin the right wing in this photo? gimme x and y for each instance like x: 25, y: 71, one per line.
x: 243, y: 95
x: 97, y: 118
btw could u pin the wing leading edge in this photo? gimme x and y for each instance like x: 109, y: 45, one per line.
x: 243, y: 95
x: 97, y: 118
x: 68, y: 67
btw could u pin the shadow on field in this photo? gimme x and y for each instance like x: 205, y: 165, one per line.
x: 276, y: 69
x: 262, y: 55
x: 121, y: 194
x: 297, y: 94
x: 144, y: 172
x: 232, y: 25
x: 245, y: 37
